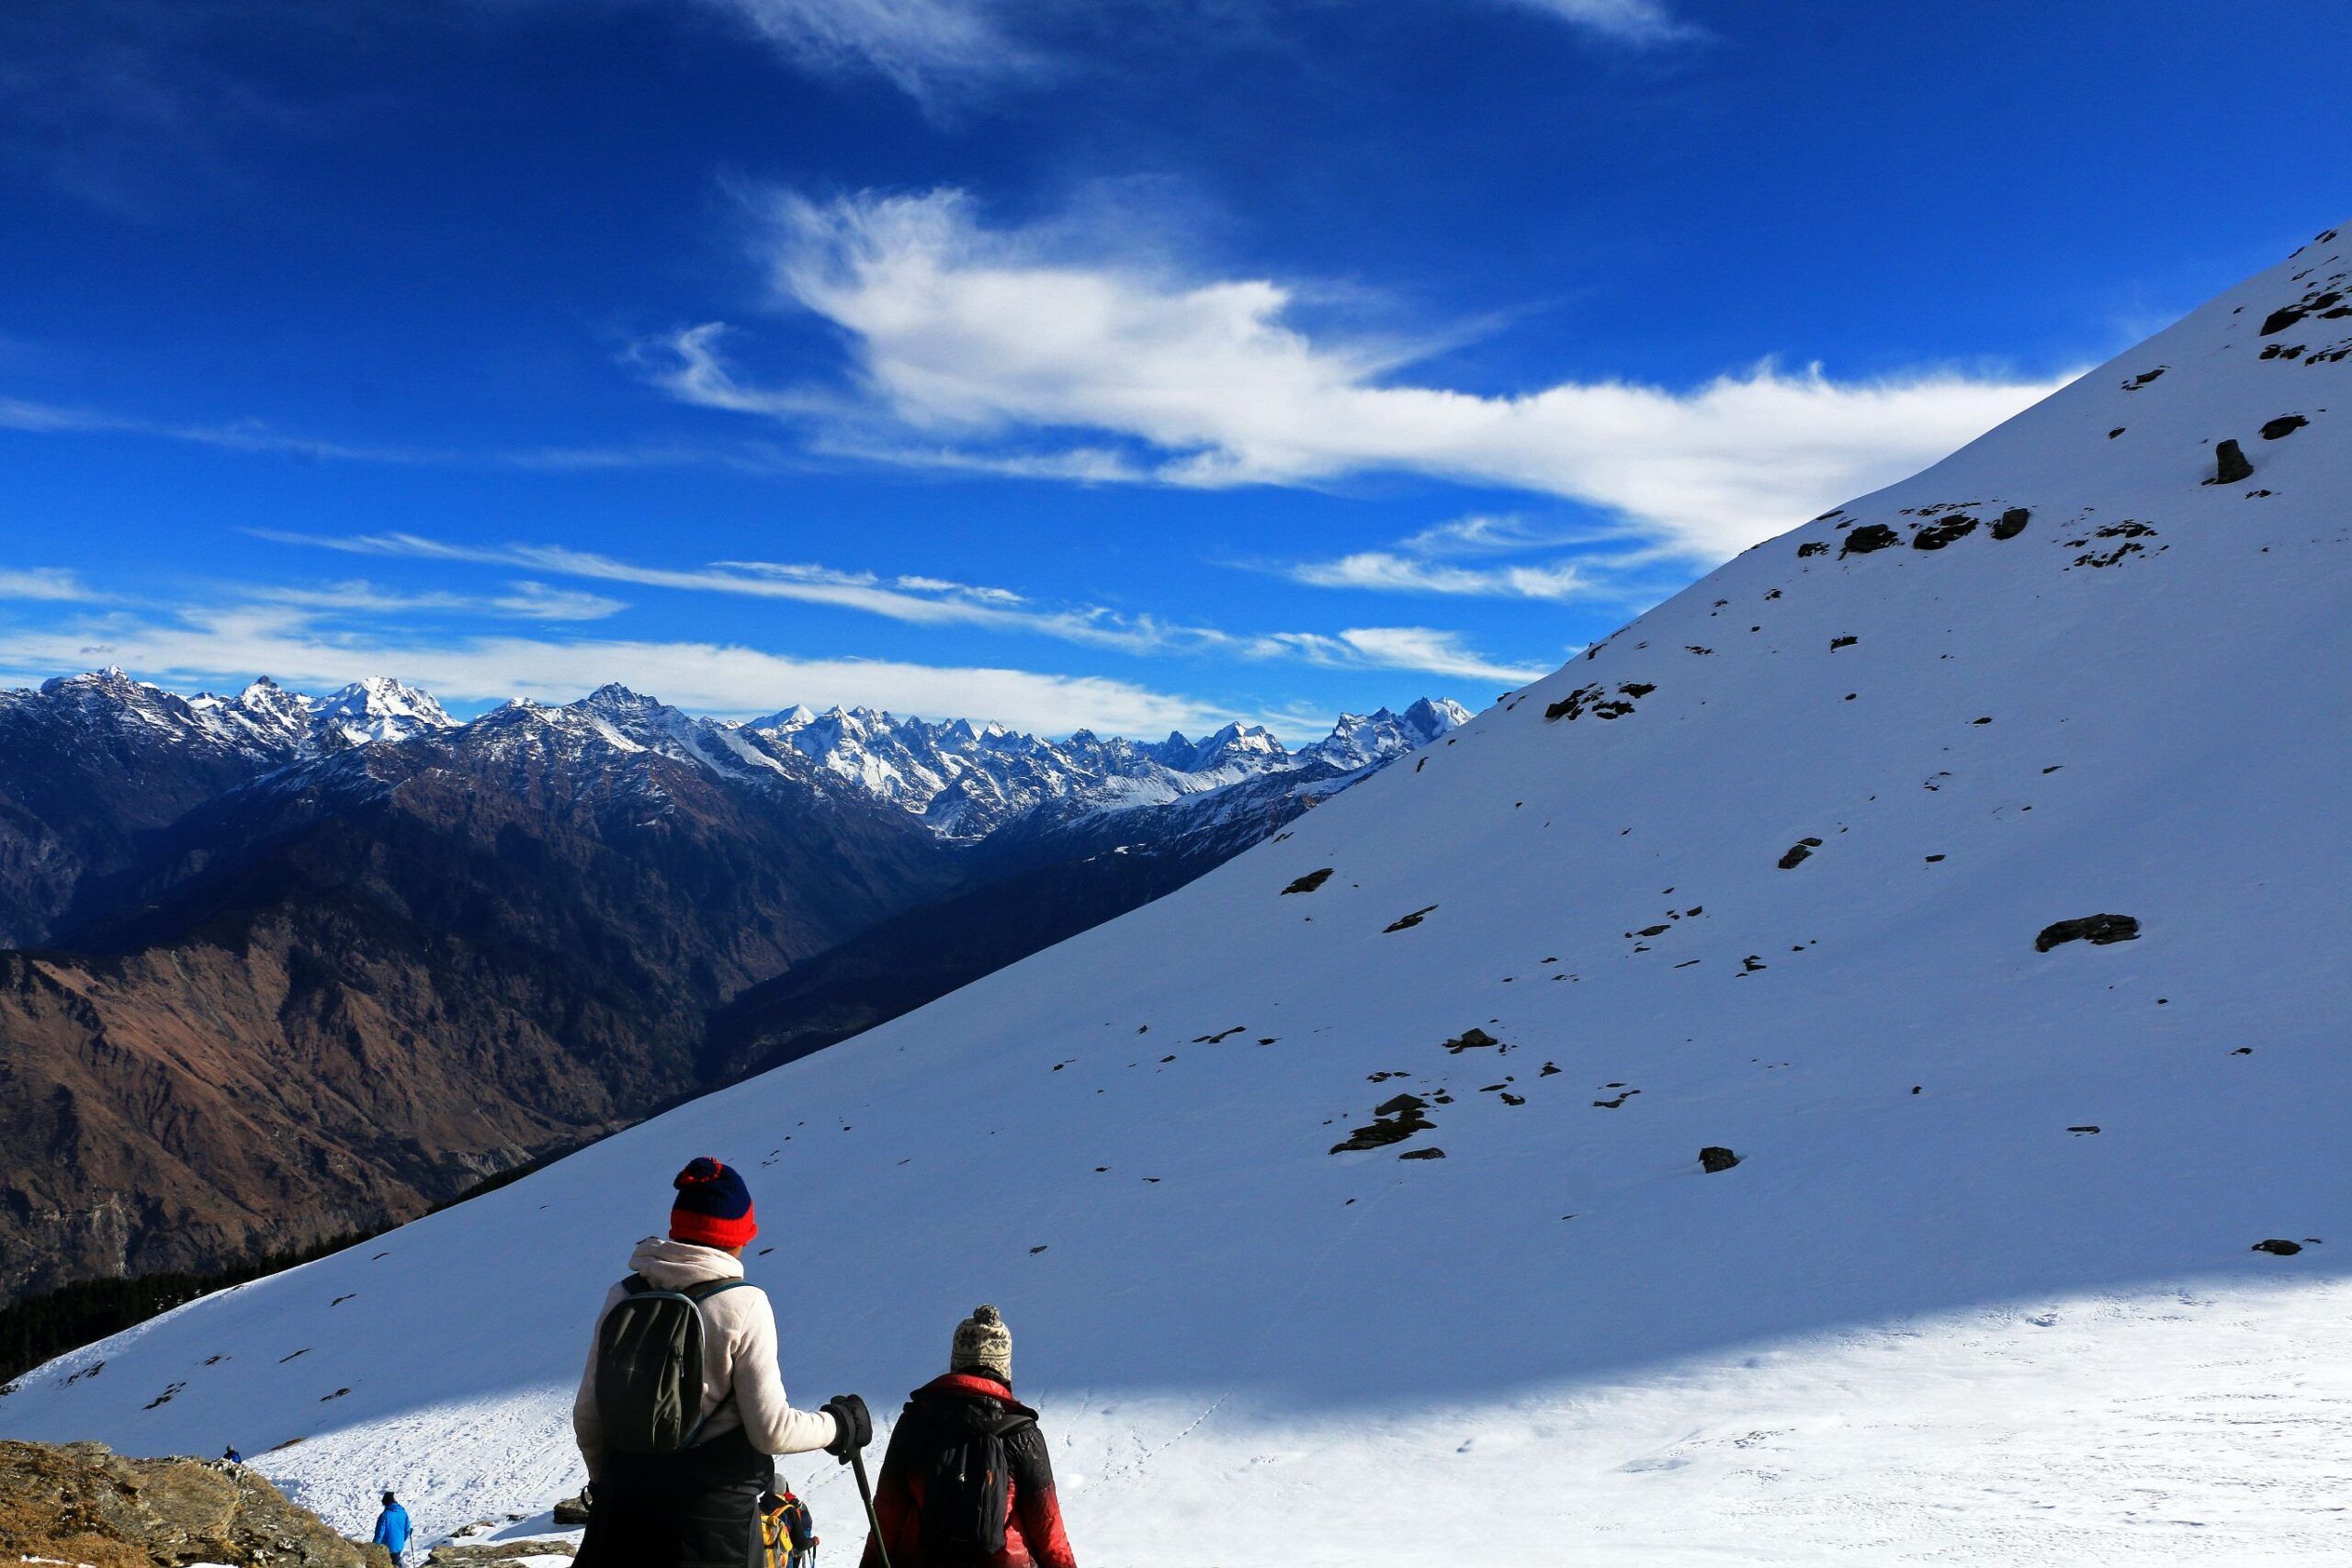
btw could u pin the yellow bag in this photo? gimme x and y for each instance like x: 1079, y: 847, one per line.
x: 786, y: 1529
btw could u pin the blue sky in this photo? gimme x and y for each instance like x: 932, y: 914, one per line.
x: 1132, y: 364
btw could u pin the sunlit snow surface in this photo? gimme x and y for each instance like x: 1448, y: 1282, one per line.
x: 1937, y: 1327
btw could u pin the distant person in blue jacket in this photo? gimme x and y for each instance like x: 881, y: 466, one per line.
x: 392, y: 1529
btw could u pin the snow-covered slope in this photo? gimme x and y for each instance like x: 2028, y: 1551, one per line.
x: 1981, y: 1289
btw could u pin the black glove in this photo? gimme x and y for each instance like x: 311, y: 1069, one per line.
x: 852, y: 1426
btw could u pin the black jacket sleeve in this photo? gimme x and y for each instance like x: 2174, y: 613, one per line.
x: 1033, y: 1494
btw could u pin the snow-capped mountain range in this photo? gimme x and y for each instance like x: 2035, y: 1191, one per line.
x: 265, y: 719
x: 89, y: 761
x: 966, y: 781
x: 1851, y: 1070
x: 961, y: 780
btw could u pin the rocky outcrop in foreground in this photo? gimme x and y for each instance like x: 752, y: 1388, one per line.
x: 83, y: 1503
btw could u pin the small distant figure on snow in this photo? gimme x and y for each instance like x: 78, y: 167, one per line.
x: 230, y: 1456
x: 966, y: 1478
x: 392, y: 1529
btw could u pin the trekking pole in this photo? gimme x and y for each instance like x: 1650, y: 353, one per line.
x: 865, y: 1495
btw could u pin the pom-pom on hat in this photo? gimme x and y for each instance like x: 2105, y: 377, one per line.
x: 983, y: 1344
x: 713, y: 1207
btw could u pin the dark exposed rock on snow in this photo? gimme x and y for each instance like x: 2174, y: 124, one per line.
x: 1396, y: 1120
x: 2284, y: 425
x: 1868, y: 538
x: 2278, y: 1248
x: 1715, y: 1157
x: 2230, y: 465
x: 1595, y: 699
x: 2012, y: 522
x: 572, y: 1510
x: 2144, y: 377
x: 2098, y: 930
x: 83, y: 1503
x: 1936, y: 535
x: 1310, y: 882
x: 1799, y: 852
x: 1470, y: 1039
x: 1404, y: 921
x: 1838, y: 642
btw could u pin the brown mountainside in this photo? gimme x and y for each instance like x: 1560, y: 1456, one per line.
x: 342, y: 996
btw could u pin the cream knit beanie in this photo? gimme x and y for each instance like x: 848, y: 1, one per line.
x: 983, y: 1344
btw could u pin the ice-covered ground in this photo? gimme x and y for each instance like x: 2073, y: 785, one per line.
x: 1982, y: 1289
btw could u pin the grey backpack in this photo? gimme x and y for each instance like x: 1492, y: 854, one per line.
x: 648, y: 1367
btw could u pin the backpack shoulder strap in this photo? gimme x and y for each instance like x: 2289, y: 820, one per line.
x: 709, y: 1287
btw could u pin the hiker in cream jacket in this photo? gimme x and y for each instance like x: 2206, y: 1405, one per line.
x: 702, y: 1505
x: 738, y: 1357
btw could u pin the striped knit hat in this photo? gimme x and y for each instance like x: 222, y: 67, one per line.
x: 983, y: 1344
x: 713, y: 1207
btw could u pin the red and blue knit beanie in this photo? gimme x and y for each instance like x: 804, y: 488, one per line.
x: 713, y: 1207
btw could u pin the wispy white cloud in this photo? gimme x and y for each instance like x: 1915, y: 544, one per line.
x: 1642, y: 23
x: 228, y: 645
x: 923, y: 46
x: 934, y: 600
x: 1395, y: 648
x: 538, y: 601
x: 1485, y: 533
x: 913, y: 600
x: 32, y: 417
x: 1393, y: 571
x: 1467, y: 558
x: 241, y: 435
x: 523, y: 600
x: 932, y: 48
x: 987, y: 347
x: 964, y: 590
x: 43, y: 583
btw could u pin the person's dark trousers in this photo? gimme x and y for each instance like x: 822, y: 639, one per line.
x: 697, y: 1508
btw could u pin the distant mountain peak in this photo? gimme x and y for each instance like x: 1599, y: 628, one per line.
x: 379, y: 707
x: 1359, y: 741
x: 107, y: 678
x: 614, y: 697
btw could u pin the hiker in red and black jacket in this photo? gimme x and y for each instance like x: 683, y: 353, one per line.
x: 967, y: 1478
